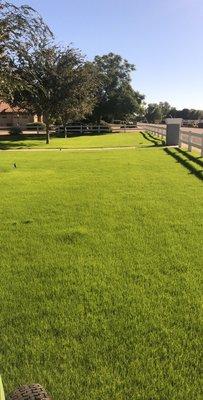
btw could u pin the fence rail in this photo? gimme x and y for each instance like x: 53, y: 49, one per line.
x: 86, y: 129
x: 191, y: 139
x: 155, y: 129
x: 93, y: 128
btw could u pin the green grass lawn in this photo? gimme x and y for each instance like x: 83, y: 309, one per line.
x: 100, y: 273
x: 107, y: 140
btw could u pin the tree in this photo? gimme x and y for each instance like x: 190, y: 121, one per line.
x: 153, y: 113
x: 59, y: 83
x: 116, y: 97
x: 80, y: 102
x: 159, y: 112
x: 165, y: 110
x: 186, y: 114
x: 22, y: 31
x: 123, y: 103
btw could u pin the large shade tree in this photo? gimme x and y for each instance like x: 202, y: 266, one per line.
x: 116, y: 98
x: 58, y: 83
x: 153, y: 113
x: 22, y: 32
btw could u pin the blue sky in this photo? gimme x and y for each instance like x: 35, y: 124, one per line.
x: 164, y: 38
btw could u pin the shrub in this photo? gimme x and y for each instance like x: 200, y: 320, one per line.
x: 15, y: 130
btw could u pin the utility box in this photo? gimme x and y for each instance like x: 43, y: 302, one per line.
x: 173, y: 131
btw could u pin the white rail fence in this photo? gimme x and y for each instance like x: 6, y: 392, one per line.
x: 155, y: 129
x: 83, y: 129
x: 190, y: 139
x: 91, y: 128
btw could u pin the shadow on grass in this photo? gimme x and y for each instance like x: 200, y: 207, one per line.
x: 156, y: 142
x: 79, y: 134
x: 12, y: 145
x: 186, y: 162
x: 19, y: 142
x: 197, y: 160
x: 8, y: 142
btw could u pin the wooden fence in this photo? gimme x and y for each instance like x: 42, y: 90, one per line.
x: 190, y: 139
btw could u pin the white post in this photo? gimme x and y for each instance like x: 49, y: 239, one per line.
x: 81, y: 129
x: 180, y: 141
x: 190, y: 141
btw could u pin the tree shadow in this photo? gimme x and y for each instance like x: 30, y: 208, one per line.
x: 12, y: 145
x: 156, y: 141
x: 79, y: 134
x: 177, y: 154
x: 8, y: 142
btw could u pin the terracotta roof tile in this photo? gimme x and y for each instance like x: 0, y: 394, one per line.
x: 4, y: 107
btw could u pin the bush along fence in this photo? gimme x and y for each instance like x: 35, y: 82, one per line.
x: 175, y: 136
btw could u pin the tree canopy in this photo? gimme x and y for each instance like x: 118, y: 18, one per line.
x: 58, y: 83
x: 153, y: 113
x: 22, y: 32
x: 158, y: 112
x: 116, y: 98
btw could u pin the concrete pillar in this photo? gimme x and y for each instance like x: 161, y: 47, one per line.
x: 173, y: 131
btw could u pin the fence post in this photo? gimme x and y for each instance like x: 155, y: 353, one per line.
x: 202, y: 147
x: 189, y: 141
x: 81, y: 131
x: 180, y: 139
x: 99, y: 129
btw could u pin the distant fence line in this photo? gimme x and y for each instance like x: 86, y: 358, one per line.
x: 191, y: 139
x: 80, y: 129
x: 86, y: 128
x: 91, y: 128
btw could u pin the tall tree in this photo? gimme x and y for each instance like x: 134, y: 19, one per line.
x: 22, y: 31
x: 59, y: 83
x: 153, y: 113
x: 165, y: 109
x: 116, y: 97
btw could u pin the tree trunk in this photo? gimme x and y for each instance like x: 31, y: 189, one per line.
x: 65, y: 131
x: 47, y: 134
